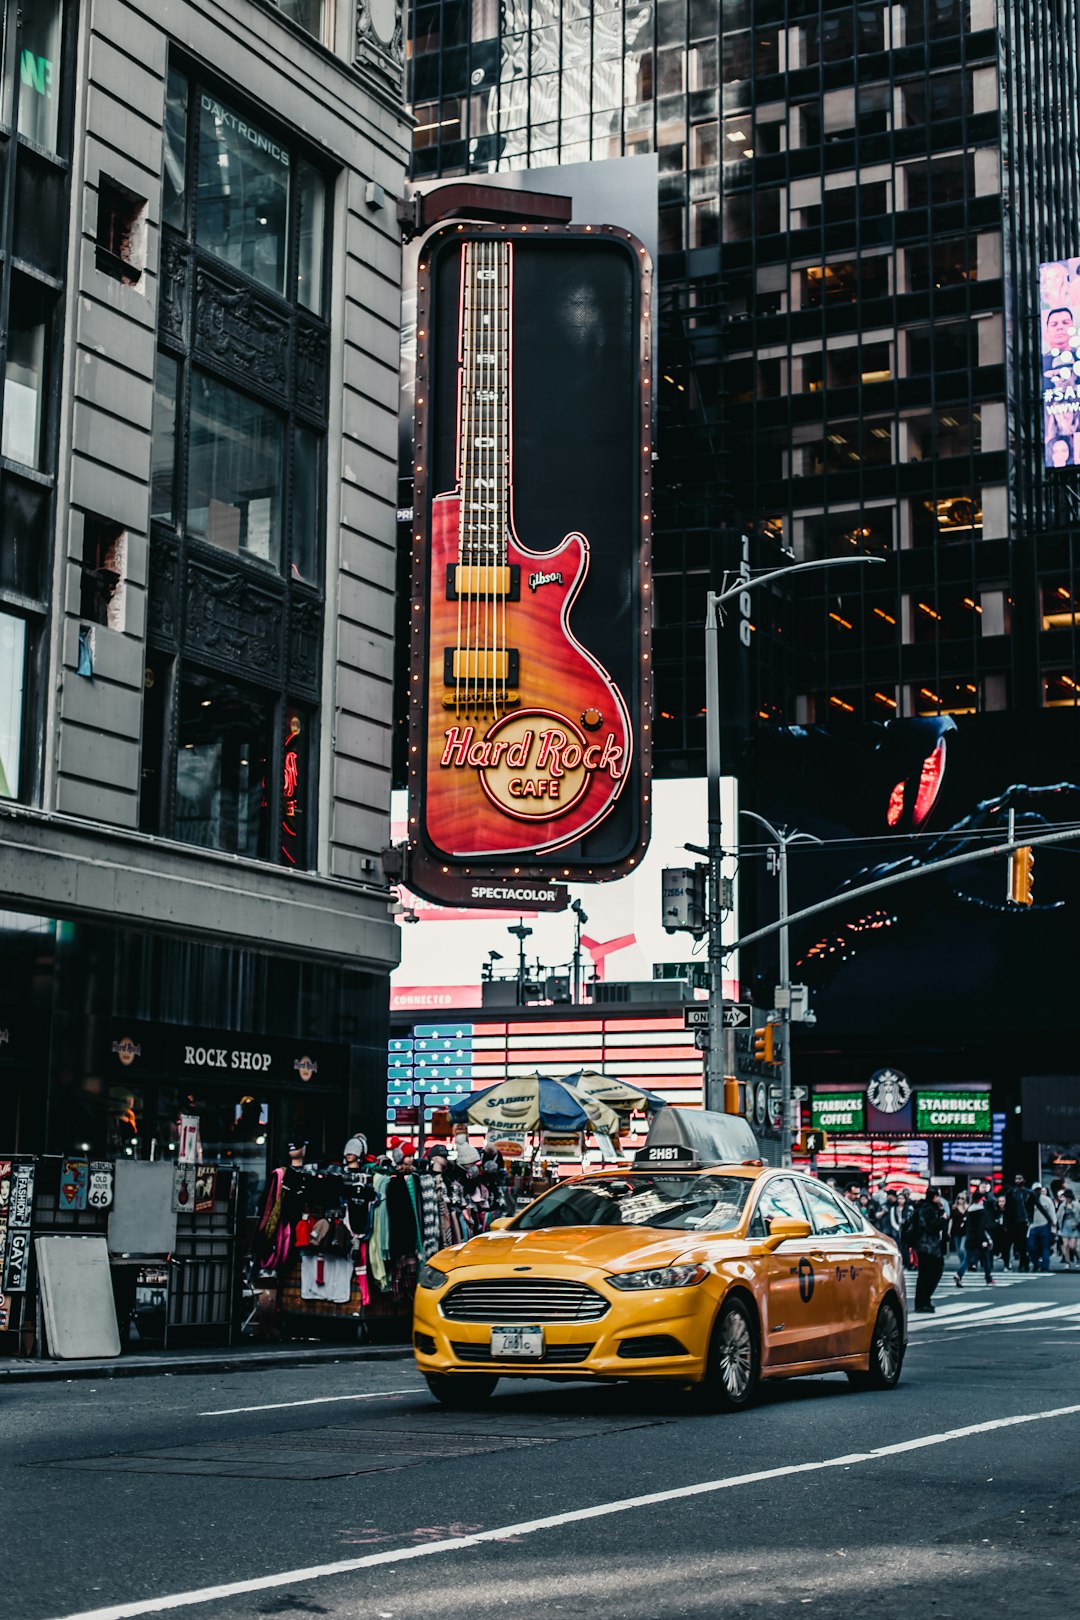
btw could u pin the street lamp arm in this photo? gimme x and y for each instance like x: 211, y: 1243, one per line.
x: 718, y: 598
x: 929, y: 869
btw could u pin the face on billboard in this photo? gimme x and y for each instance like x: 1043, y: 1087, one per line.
x: 1059, y: 333
x: 529, y: 731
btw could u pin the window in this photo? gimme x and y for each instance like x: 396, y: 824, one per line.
x: 163, y: 441
x: 779, y: 1198
x: 669, y: 1202
x: 12, y: 691
x: 235, y: 471
x: 827, y: 1213
x: 941, y: 264
x: 309, y: 14
x: 121, y: 232
x: 101, y: 596
x: 242, y: 201
x: 40, y: 40
x: 238, y: 497
x: 950, y: 517
x: 222, y: 765
x: 29, y: 319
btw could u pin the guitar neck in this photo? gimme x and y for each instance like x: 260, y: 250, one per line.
x: 484, y: 434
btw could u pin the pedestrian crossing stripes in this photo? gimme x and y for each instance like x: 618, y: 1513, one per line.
x: 961, y: 1315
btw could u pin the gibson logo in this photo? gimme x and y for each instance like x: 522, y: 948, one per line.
x: 536, y: 580
x: 532, y: 763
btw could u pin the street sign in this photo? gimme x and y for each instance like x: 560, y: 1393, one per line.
x: 737, y: 1015
x: 760, y: 1102
x: 701, y: 1039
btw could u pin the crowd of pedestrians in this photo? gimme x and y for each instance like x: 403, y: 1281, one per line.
x: 1022, y: 1226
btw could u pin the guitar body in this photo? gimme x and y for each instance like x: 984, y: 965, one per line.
x: 532, y: 759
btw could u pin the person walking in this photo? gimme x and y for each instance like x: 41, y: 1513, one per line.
x: 1041, y: 1230
x: 957, y: 1222
x: 929, y: 1235
x: 899, y: 1220
x: 978, y: 1244
x: 999, y: 1232
x: 1069, y: 1228
x: 1016, y: 1221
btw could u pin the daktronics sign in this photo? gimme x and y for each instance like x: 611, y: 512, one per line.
x: 530, y: 673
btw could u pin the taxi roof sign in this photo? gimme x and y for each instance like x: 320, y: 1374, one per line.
x: 698, y: 1136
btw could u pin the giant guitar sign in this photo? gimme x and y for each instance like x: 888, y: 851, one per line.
x: 530, y: 677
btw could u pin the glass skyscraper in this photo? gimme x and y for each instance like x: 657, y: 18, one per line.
x: 854, y: 200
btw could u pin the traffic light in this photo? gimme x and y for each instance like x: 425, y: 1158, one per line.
x: 813, y: 1141
x: 734, y: 1095
x: 1021, y: 865
x: 764, y: 1042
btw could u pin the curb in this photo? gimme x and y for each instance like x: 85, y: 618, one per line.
x: 180, y: 1366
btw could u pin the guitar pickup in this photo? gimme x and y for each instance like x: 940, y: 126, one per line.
x: 477, y: 666
x: 501, y: 580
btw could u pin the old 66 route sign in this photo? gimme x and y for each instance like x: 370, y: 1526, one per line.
x: 530, y: 712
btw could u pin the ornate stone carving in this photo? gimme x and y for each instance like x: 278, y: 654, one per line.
x: 380, y: 49
x: 240, y: 332
x: 174, y: 288
x: 305, y: 643
x: 310, y: 361
x: 162, y: 596
x: 230, y: 620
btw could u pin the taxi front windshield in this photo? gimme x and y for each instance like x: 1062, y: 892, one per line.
x: 679, y: 1203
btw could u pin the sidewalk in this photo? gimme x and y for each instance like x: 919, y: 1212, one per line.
x: 244, y: 1357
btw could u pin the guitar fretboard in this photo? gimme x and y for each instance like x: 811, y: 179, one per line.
x: 485, y: 402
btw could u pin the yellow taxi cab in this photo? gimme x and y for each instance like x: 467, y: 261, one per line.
x: 697, y: 1264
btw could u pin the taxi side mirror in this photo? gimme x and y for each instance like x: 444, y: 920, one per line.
x: 500, y: 1223
x: 782, y: 1227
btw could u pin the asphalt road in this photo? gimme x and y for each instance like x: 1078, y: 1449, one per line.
x: 345, y: 1491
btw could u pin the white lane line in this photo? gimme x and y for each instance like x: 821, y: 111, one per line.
x: 976, y: 1316
x: 555, y: 1521
x: 315, y: 1400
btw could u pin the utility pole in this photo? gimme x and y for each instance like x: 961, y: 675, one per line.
x: 717, y: 1051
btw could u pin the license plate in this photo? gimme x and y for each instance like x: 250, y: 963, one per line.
x: 517, y: 1343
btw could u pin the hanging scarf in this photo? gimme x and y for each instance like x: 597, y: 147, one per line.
x: 430, y: 1242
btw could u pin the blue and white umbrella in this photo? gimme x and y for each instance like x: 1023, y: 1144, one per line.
x: 533, y: 1102
x: 622, y: 1095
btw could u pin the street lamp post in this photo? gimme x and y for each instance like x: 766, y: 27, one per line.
x: 780, y: 854
x: 716, y: 1053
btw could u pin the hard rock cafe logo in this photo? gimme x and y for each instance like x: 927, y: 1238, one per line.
x: 889, y: 1090
x: 306, y: 1067
x: 127, y: 1051
x: 534, y: 764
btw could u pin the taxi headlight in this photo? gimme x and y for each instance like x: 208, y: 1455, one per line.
x: 663, y: 1277
x: 430, y: 1276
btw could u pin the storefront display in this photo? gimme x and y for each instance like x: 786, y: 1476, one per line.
x: 346, y: 1240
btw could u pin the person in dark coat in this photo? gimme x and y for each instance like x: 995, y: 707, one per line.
x: 978, y: 1240
x: 1017, y: 1216
x: 929, y: 1235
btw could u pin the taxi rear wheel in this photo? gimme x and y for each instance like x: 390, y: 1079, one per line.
x: 732, y: 1372
x: 886, y: 1352
x: 464, y: 1391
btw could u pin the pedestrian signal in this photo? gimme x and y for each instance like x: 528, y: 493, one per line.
x: 813, y: 1141
x: 1021, y: 866
x: 765, y: 1044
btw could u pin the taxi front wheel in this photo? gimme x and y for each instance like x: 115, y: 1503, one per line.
x: 886, y: 1352
x: 464, y: 1391
x: 732, y: 1372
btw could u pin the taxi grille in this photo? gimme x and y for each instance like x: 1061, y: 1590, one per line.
x: 555, y: 1355
x: 524, y: 1299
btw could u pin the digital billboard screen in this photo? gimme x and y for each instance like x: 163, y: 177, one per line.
x: 1059, y: 344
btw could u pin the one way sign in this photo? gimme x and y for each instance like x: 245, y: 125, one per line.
x: 736, y: 1015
